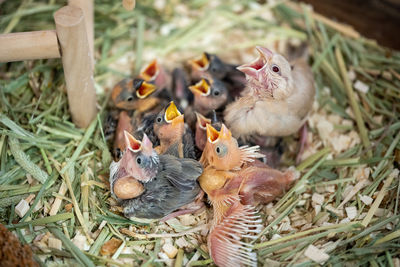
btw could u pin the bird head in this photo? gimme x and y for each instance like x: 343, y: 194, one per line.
x: 209, y: 65
x: 132, y: 94
x: 223, y: 152
x: 269, y: 75
x: 169, y: 124
x: 139, y: 159
x: 209, y: 94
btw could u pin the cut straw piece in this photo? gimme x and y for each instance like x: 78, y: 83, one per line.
x: 379, y: 198
x: 79, y: 255
x: 353, y: 102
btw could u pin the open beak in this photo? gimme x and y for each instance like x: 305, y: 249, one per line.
x: 202, y: 63
x: 225, y: 133
x: 147, y: 146
x: 201, y: 88
x: 172, y: 113
x: 145, y: 90
x: 212, y: 134
x: 202, y: 121
x: 131, y: 142
x: 150, y: 72
x: 252, y: 69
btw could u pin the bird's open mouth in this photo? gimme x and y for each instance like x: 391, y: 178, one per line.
x: 202, y: 88
x: 172, y: 112
x: 150, y: 72
x: 201, y: 63
x: 212, y: 134
x: 145, y: 90
x: 132, y: 143
x: 203, y: 121
x: 253, y: 67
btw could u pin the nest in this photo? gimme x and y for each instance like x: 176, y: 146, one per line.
x: 54, y: 191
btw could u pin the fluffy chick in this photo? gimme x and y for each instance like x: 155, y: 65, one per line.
x: 169, y: 183
x: 277, y: 99
x: 175, y: 138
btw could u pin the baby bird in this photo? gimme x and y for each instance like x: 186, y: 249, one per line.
x: 232, y: 220
x: 277, y: 99
x: 234, y: 189
x: 209, y: 94
x: 134, y: 94
x: 169, y: 183
x: 175, y: 139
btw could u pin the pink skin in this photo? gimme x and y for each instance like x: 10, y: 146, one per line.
x: 201, y: 131
x: 134, y: 150
x: 268, y: 75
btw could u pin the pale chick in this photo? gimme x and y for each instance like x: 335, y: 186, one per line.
x: 277, y: 98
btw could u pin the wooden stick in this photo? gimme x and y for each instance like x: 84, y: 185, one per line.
x: 28, y: 45
x: 78, y: 70
x: 87, y: 8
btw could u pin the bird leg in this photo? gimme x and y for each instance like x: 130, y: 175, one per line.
x: 303, y: 142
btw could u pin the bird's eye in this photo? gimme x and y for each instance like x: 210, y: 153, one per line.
x: 129, y: 99
x: 139, y: 160
x: 221, y: 150
x: 159, y: 119
x: 216, y: 93
x: 275, y: 68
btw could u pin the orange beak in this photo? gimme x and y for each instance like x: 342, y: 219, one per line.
x: 172, y: 114
x: 145, y: 90
x: 202, y: 121
x: 201, y: 88
x: 131, y: 142
x: 150, y: 72
x: 202, y: 63
x: 212, y: 134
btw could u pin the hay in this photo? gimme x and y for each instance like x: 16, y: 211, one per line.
x: 352, y: 158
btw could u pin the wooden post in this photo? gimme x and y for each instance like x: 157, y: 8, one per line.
x: 87, y: 8
x: 77, y: 63
x: 28, y: 45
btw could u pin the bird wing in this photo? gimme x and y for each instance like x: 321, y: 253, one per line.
x: 225, y: 239
x: 181, y: 173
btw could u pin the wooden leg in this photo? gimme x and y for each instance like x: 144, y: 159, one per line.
x: 77, y: 63
x: 28, y: 45
x: 87, y: 8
